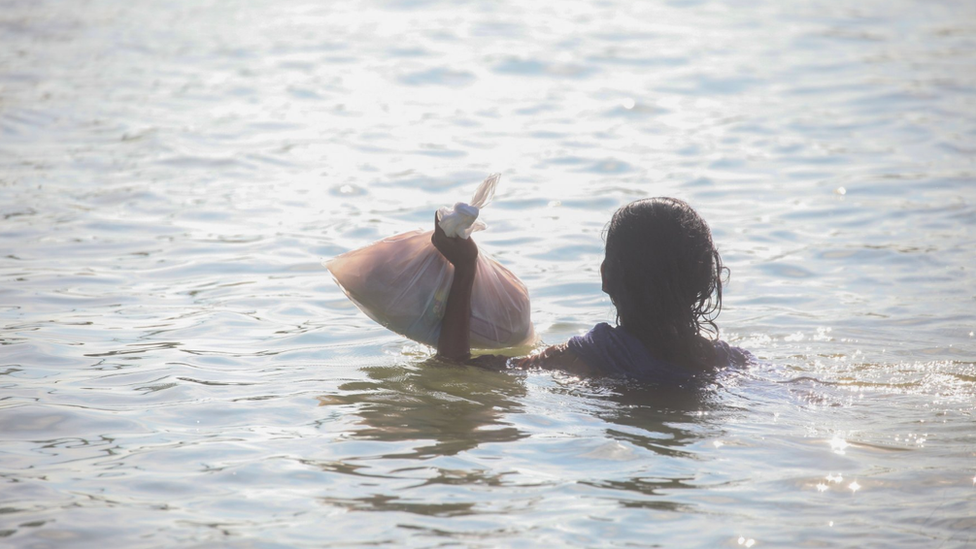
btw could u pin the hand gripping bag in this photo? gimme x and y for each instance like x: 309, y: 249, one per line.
x: 402, y: 282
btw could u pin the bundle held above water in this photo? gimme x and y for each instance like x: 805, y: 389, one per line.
x: 402, y: 282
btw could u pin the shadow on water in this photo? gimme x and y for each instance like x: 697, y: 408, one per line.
x: 663, y: 420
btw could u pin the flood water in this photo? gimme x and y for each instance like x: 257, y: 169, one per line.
x: 177, y: 368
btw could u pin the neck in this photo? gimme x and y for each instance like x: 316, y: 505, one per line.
x: 693, y: 353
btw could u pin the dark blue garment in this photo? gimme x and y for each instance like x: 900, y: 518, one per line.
x: 614, y: 352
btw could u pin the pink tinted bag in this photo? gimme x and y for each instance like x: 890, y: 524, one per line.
x: 402, y: 282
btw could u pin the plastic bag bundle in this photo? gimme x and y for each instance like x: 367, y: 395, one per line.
x: 402, y: 282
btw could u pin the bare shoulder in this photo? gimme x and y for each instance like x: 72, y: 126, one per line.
x: 556, y: 357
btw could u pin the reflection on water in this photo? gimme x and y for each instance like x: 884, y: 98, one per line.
x: 454, y: 409
x: 177, y: 369
x: 445, y: 412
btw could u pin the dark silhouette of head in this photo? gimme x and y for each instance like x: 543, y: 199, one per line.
x: 664, y: 276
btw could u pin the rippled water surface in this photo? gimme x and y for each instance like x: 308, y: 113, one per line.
x: 178, y: 369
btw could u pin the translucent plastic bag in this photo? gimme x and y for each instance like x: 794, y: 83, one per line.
x: 403, y: 282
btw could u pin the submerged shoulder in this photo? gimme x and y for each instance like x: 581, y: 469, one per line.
x: 729, y: 355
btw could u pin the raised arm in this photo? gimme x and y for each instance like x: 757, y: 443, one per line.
x: 454, y: 342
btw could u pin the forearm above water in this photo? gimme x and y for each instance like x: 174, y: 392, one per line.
x: 454, y: 342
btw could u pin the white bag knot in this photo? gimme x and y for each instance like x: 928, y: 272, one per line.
x: 462, y: 220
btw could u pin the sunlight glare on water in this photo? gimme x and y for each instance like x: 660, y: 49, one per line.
x: 178, y: 369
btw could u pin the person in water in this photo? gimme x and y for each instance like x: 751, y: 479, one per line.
x: 663, y: 275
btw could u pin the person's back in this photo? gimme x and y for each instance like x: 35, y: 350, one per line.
x: 663, y: 275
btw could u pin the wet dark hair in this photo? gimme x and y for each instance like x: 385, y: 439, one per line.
x: 664, y: 275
